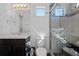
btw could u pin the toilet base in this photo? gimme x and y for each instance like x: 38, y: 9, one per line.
x: 41, y: 51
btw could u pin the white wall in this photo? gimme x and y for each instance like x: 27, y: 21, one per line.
x: 71, y: 26
x: 75, y: 28
x: 75, y: 23
x: 9, y: 20
x: 39, y: 24
x: 4, y: 27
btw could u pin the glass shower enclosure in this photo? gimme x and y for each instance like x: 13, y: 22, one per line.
x: 64, y: 29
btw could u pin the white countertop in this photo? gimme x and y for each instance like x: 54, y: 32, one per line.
x: 17, y: 36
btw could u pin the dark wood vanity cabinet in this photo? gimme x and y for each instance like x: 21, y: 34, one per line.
x: 5, y: 50
x: 19, y: 47
x: 12, y: 47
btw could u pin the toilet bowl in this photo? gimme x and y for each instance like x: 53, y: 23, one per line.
x: 40, y: 51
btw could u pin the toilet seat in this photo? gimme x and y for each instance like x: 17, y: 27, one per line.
x: 41, y: 52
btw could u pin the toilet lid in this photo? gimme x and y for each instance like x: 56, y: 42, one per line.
x: 41, y: 52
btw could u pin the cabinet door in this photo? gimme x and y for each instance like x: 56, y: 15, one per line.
x: 19, y: 47
x: 5, y: 47
x: 5, y: 50
x: 19, y: 50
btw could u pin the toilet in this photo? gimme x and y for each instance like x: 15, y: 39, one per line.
x: 41, y: 51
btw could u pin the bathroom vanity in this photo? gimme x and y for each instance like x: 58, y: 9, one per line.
x: 13, y: 45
